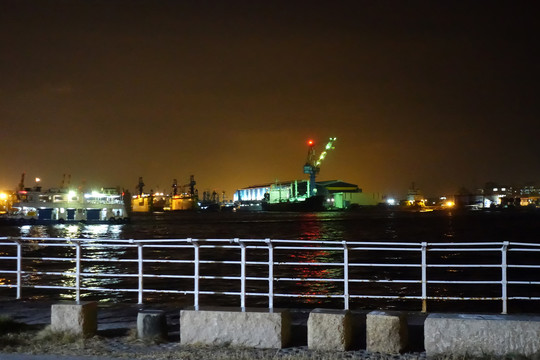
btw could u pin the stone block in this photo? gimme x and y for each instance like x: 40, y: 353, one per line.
x: 77, y: 318
x: 257, y: 328
x: 386, y: 332
x: 151, y: 324
x: 329, y: 330
x: 482, y: 335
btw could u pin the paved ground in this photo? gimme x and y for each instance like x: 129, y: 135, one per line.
x: 49, y: 357
x: 115, y: 321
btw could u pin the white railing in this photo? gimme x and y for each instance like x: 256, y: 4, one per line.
x: 270, y: 269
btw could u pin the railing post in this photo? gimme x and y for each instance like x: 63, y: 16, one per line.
x: 19, y: 267
x: 77, y: 271
x: 140, y: 259
x: 242, y: 273
x: 345, y: 274
x: 196, y: 273
x: 270, y: 273
x: 424, y: 277
x: 504, y: 278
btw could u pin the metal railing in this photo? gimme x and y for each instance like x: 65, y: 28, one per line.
x: 274, y: 269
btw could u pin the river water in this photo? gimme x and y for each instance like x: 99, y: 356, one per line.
x: 373, y: 225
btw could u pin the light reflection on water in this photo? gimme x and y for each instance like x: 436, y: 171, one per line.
x: 352, y: 226
x: 73, y: 231
x: 330, y: 226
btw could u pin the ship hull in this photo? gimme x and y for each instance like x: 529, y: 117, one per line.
x: 314, y: 203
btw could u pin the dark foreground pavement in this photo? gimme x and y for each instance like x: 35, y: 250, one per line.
x: 116, y: 321
x: 50, y: 357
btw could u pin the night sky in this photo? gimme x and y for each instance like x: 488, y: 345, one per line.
x: 442, y: 93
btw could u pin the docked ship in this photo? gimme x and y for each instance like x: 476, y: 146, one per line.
x: 34, y: 206
x: 282, y: 196
x: 313, y: 203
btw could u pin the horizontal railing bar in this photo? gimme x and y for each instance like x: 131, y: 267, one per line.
x: 463, y: 249
x: 449, y: 266
x: 409, y: 297
x: 487, y: 243
x: 320, y: 296
x: 385, y: 281
x: 512, y: 243
x: 523, y: 298
x: 384, y: 265
x: 277, y: 248
x: 183, y: 292
x: 50, y: 259
x: 231, y: 240
x: 167, y: 276
x: 307, y: 264
x: 524, y: 266
x: 464, y: 282
x: 108, y: 289
x: 463, y: 298
x: 383, y: 249
x: 73, y: 274
x: 308, y: 279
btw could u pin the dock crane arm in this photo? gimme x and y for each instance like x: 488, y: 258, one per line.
x: 312, y: 166
x: 329, y: 146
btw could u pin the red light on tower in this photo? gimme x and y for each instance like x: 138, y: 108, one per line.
x: 310, y: 142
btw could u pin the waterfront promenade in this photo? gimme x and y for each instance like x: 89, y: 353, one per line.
x: 116, y: 324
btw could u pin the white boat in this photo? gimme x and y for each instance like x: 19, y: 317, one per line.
x: 63, y: 206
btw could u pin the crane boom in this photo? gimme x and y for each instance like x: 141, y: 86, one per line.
x: 312, y: 166
x: 329, y: 146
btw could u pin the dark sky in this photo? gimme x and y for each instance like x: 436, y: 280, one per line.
x: 442, y: 93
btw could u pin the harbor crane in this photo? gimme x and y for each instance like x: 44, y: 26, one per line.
x: 21, y: 183
x: 191, y: 186
x: 140, y: 186
x: 313, y: 164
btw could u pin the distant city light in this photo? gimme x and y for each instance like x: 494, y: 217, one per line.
x: 391, y: 201
x: 38, y: 179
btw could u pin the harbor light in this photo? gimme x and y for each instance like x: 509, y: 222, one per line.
x: 72, y: 195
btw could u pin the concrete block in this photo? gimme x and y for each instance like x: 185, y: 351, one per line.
x: 329, y: 330
x: 257, y: 328
x: 77, y: 318
x: 386, y: 332
x: 481, y: 335
x: 151, y: 324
